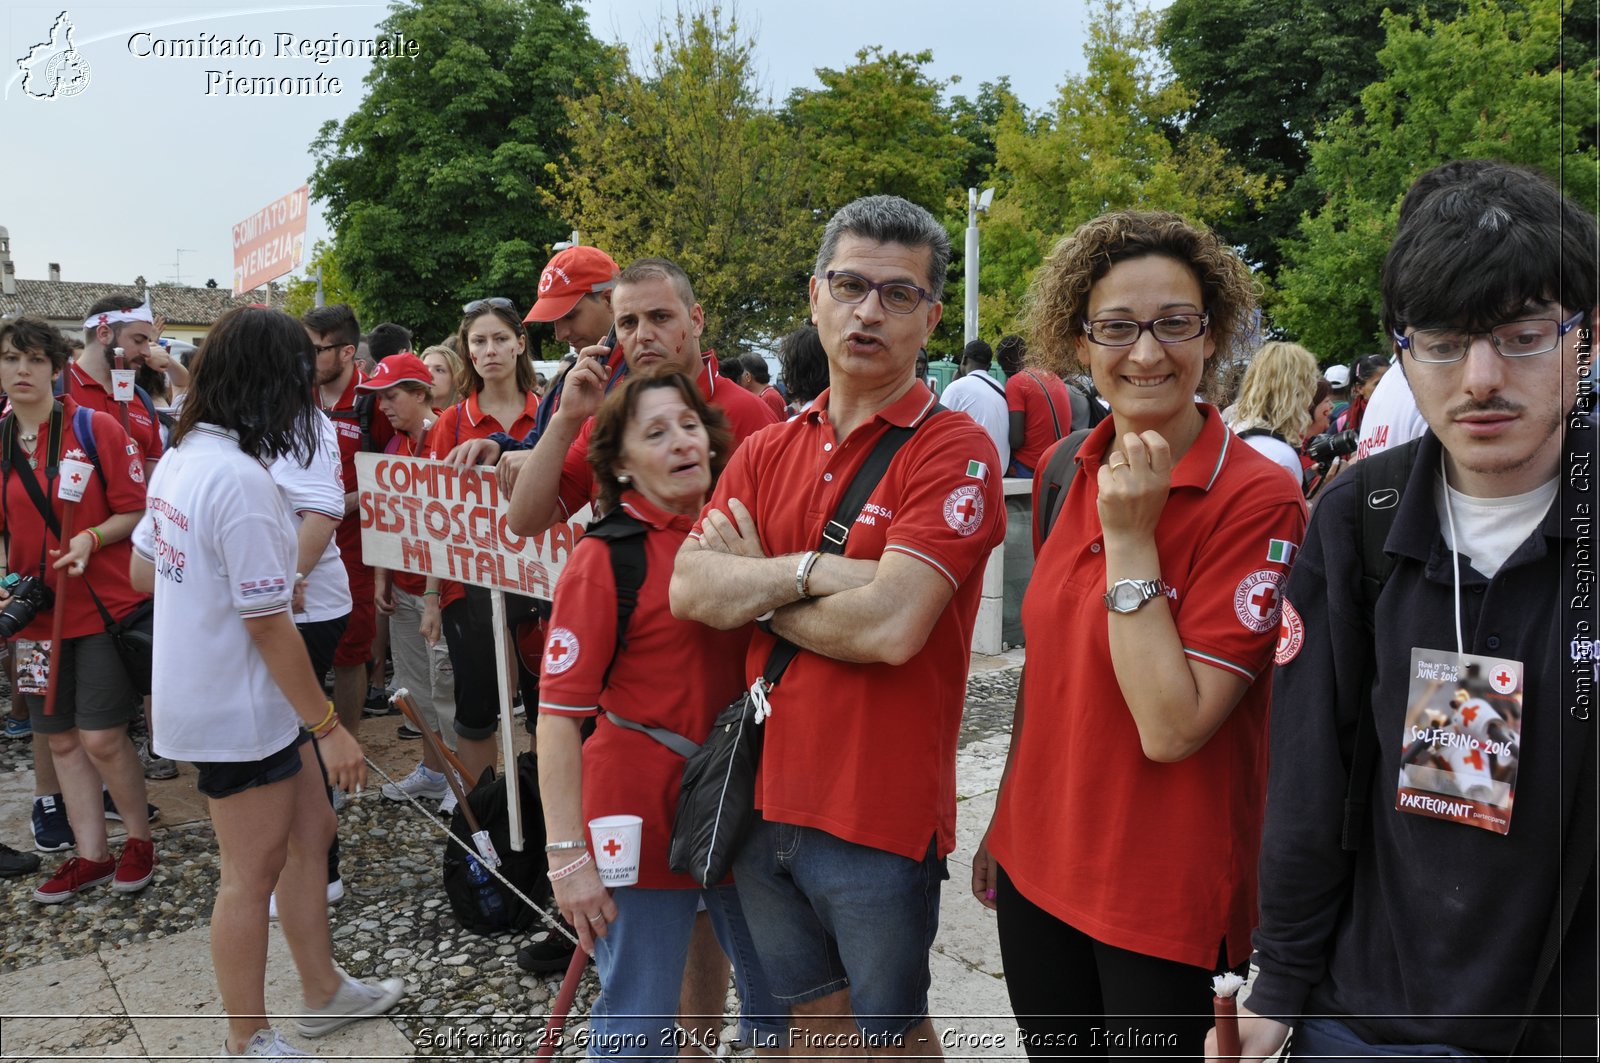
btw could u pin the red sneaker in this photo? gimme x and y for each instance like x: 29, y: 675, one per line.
x: 137, y: 866
x: 72, y: 877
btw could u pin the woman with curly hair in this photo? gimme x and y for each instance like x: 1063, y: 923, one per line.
x: 1122, y: 853
x: 1274, y: 408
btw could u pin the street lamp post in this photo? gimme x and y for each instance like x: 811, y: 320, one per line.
x: 571, y: 241
x: 976, y: 205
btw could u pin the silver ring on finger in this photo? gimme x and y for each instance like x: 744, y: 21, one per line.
x: 596, y: 918
x: 1120, y: 465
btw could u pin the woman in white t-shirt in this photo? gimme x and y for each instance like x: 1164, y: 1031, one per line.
x: 1274, y: 406
x: 218, y: 548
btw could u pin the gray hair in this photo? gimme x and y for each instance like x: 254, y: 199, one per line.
x: 889, y: 220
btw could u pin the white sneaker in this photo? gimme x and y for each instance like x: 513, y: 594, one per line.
x: 268, y: 1044
x: 422, y: 784
x: 335, y: 895
x: 353, y: 1000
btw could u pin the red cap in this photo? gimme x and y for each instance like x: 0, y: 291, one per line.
x: 570, y: 276
x: 397, y: 369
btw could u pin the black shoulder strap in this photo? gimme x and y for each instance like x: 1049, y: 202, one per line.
x: 624, y: 535
x: 836, y: 532
x: 1054, y: 419
x: 1380, y: 481
x: 1251, y: 433
x: 998, y: 390
x: 1057, y: 475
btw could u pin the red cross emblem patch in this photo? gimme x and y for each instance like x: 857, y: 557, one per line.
x: 963, y: 509
x: 560, y: 651
x: 1257, y: 602
x: 1291, y: 634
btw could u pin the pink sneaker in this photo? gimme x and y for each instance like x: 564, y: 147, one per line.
x: 73, y: 877
x: 137, y: 866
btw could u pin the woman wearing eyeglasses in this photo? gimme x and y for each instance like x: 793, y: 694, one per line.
x: 500, y: 398
x: 1122, y: 853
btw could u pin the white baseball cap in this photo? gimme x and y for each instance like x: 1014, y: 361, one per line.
x: 1338, y: 376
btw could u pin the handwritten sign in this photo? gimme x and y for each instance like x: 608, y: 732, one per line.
x: 435, y: 519
x: 270, y: 242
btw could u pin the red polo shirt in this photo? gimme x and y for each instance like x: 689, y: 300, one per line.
x: 466, y: 421
x: 1035, y: 393
x: 626, y: 772
x: 747, y: 415
x: 774, y: 400
x: 1156, y: 858
x: 347, y: 426
x: 867, y: 752
x: 118, y: 488
x: 145, y: 430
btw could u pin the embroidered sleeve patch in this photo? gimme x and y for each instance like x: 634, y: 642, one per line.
x: 1291, y: 634
x: 1256, y: 600
x: 560, y: 651
x: 963, y: 509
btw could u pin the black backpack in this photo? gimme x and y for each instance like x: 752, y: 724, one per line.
x: 481, y: 903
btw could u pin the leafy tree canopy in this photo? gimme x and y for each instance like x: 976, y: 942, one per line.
x: 1482, y: 85
x: 433, y: 186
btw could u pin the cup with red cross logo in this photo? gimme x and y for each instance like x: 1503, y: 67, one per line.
x: 122, y: 384
x: 74, y: 478
x: 616, y: 848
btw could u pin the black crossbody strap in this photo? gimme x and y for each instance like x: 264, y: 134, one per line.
x: 30, y: 483
x: 1055, y: 420
x: 836, y: 533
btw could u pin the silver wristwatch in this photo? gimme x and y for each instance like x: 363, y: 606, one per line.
x: 1128, y: 595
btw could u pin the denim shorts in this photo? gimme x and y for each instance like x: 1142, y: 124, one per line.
x: 228, y: 777
x: 827, y: 914
x: 641, y: 961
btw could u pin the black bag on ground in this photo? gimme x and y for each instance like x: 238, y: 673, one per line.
x: 479, y: 901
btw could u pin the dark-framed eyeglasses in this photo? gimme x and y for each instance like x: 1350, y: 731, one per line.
x: 1513, y: 339
x: 483, y: 304
x: 1125, y: 332
x: 318, y: 348
x: 897, y: 297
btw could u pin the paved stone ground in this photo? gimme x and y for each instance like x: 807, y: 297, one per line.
x: 115, y: 975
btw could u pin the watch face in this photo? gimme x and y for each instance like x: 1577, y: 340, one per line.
x: 1126, y: 596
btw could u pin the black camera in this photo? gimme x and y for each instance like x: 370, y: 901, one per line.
x: 1325, y: 448
x: 29, y: 594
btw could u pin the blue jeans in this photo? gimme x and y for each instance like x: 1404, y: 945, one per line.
x: 828, y: 914
x: 641, y: 961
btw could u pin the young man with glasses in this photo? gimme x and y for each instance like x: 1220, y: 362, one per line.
x: 840, y: 882
x: 1445, y: 725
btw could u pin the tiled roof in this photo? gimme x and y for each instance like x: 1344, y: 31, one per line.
x: 182, y: 305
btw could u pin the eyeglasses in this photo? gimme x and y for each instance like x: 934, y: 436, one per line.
x: 897, y: 297
x: 1514, y: 339
x: 320, y: 347
x: 1125, y: 332
x: 482, y: 304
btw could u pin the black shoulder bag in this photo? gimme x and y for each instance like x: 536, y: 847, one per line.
x: 131, y: 634
x: 716, y: 804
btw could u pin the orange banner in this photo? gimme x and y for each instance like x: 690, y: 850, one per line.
x: 271, y: 242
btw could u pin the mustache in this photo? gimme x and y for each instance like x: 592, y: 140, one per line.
x: 1494, y: 404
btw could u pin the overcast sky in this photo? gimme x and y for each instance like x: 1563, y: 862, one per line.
x: 141, y: 172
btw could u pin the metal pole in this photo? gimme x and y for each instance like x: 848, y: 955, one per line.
x: 970, y: 317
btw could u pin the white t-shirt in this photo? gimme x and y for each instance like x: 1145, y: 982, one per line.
x: 1392, y: 418
x: 318, y: 488
x: 1490, y: 529
x: 980, y: 396
x: 224, y: 548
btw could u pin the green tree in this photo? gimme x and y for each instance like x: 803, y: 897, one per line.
x: 977, y: 122
x: 1106, y: 144
x: 1482, y: 85
x: 301, y: 292
x: 433, y: 186
x: 680, y: 159
x: 1265, y: 76
x: 878, y: 127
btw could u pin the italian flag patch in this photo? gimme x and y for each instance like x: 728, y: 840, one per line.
x: 1280, y: 550
x: 978, y: 471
